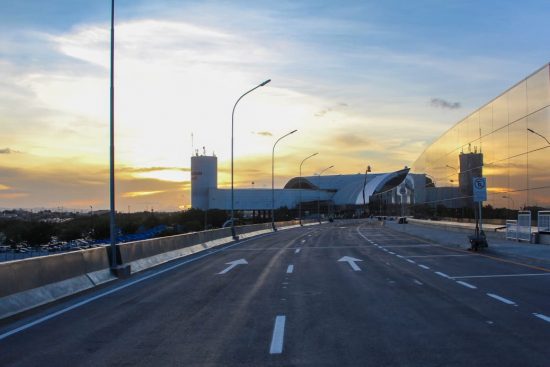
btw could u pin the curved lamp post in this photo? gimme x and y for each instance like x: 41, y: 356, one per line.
x: 232, y: 190
x: 300, y: 188
x: 364, y: 185
x: 319, y: 193
x: 273, y: 179
x: 536, y: 133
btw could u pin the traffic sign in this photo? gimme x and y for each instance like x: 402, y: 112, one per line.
x: 480, y: 189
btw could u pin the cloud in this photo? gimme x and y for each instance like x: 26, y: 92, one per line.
x: 134, y: 194
x: 263, y: 133
x: 151, y: 169
x: 337, y: 107
x: 8, y: 151
x: 88, y: 185
x: 441, y: 103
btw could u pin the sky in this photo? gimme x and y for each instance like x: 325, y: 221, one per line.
x: 363, y: 82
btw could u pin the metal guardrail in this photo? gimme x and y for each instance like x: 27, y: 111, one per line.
x: 524, y: 225
x: 543, y: 221
x: 512, y: 230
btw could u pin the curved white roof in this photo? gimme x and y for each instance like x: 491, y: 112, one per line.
x: 348, y: 189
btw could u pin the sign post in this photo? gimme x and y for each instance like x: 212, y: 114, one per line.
x: 480, y: 195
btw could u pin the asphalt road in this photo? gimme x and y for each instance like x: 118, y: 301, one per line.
x: 405, y: 303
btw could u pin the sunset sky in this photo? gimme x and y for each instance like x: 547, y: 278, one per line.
x: 364, y: 82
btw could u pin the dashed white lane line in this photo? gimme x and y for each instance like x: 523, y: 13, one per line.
x: 418, y: 282
x: 278, y: 335
x: 466, y: 284
x: 303, y: 241
x: 442, y: 274
x: 399, y: 256
x: 297, y: 251
x: 542, y: 317
x: 424, y: 267
x: 393, y: 253
x: 411, y: 261
x: 290, y: 269
x: 501, y: 299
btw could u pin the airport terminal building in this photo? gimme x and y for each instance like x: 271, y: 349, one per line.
x: 332, y: 192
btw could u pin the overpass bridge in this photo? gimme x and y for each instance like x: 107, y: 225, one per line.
x: 350, y: 293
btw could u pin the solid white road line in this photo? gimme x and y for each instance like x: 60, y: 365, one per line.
x: 439, y: 255
x: 290, y: 269
x: 542, y: 317
x: 297, y: 251
x: 424, y: 267
x: 392, y: 246
x: 501, y: 275
x: 442, y: 274
x: 466, y: 284
x: 278, y: 335
x: 501, y: 299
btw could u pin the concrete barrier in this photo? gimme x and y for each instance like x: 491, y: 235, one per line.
x: 32, y: 282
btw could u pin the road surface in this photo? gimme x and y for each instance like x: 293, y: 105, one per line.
x: 339, y: 294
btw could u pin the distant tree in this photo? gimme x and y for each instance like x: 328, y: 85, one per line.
x: 38, y: 233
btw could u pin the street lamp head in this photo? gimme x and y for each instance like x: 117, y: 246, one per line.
x: 292, y: 132
x: 264, y: 83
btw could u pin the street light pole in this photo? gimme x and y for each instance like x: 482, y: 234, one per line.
x: 536, y: 133
x: 273, y: 179
x: 319, y: 193
x: 112, y: 143
x: 232, y: 128
x: 300, y: 188
x: 364, y: 185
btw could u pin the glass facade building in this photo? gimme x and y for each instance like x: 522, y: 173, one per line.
x: 506, y: 140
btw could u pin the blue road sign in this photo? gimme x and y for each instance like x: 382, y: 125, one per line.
x: 480, y: 189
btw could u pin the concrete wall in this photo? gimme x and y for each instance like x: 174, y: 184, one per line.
x: 21, y: 275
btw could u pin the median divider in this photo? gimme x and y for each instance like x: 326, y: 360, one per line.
x: 33, y: 282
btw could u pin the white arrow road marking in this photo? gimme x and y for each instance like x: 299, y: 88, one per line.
x: 232, y: 264
x: 351, y: 261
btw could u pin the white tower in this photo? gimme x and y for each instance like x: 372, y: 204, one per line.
x: 204, y: 176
